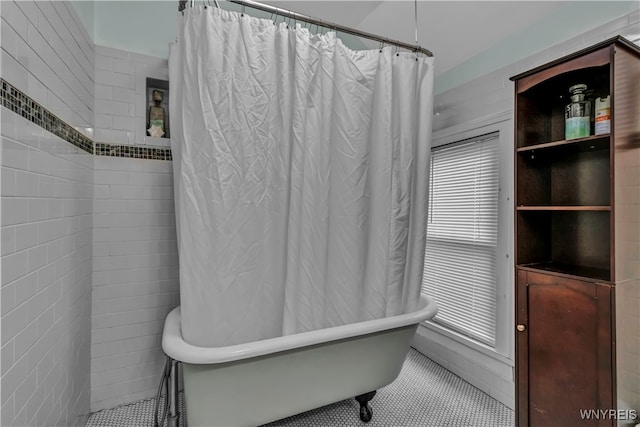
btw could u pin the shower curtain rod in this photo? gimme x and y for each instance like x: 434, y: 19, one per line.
x: 310, y: 20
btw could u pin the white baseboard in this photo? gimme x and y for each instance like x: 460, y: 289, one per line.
x: 489, y: 374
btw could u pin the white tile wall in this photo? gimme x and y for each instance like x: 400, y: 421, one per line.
x: 121, y: 111
x: 46, y: 220
x: 48, y: 54
x: 135, y: 277
x: 135, y: 266
x: 476, y: 101
x: 46, y: 277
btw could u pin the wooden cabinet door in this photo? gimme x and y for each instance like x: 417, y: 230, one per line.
x: 564, y: 350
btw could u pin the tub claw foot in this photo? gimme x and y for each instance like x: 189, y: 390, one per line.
x: 365, y: 410
x: 366, y: 413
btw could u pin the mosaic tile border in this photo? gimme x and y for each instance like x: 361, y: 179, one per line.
x: 132, y: 151
x: 20, y: 103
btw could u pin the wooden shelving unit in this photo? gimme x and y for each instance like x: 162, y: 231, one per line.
x: 569, y: 200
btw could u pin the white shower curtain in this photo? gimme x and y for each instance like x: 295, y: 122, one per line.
x: 300, y: 171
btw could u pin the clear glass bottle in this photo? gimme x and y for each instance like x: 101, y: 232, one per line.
x: 578, y: 114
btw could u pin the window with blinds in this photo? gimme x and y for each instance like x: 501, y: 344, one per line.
x: 462, y: 236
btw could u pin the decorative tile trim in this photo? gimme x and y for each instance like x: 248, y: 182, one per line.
x: 21, y: 104
x: 132, y: 151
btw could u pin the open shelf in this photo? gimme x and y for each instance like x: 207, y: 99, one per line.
x: 573, y: 271
x: 558, y: 238
x: 565, y: 175
x: 541, y: 107
x: 593, y: 142
x: 563, y: 208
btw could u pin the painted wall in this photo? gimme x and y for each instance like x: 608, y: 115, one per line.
x: 146, y: 27
x: 46, y: 220
x: 85, y: 11
x: 572, y: 19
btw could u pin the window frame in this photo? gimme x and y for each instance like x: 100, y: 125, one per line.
x: 446, y: 237
x: 502, y: 125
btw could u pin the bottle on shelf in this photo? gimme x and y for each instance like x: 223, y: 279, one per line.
x: 603, y: 115
x: 578, y: 114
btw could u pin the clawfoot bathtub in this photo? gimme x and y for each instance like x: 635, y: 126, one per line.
x: 259, y: 382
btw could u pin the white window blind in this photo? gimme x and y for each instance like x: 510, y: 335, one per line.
x: 462, y: 235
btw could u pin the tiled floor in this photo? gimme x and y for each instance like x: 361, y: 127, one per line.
x: 424, y: 395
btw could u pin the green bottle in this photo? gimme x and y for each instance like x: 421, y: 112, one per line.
x: 578, y: 114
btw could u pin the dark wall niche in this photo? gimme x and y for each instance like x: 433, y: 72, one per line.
x: 158, y: 108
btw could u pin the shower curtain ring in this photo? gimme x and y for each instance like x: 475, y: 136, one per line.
x: 243, y: 9
x: 397, y: 48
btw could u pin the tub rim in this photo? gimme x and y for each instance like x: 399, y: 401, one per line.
x: 176, y: 348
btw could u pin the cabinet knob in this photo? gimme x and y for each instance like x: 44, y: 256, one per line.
x: 521, y: 328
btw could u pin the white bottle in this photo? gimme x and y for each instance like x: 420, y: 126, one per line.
x: 603, y: 115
